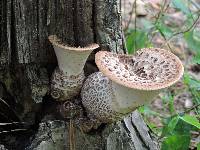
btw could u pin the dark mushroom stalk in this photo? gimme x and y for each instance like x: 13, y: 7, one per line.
x: 68, y: 78
x: 126, y: 82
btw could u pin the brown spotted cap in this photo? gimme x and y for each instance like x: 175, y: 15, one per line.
x: 148, y: 69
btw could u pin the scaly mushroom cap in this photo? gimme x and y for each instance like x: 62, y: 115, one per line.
x: 148, y: 69
x: 97, y: 97
x: 64, y: 87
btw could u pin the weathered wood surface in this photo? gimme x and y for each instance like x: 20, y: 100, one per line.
x: 27, y: 61
x: 4, y: 32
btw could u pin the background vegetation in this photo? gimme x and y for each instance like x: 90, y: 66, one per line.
x: 173, y: 25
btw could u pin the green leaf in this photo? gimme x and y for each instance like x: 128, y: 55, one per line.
x: 182, y: 127
x: 196, y: 59
x: 169, y: 128
x: 192, y: 41
x: 147, y: 111
x: 176, y: 142
x: 198, y: 146
x: 191, y: 120
x: 147, y: 25
x: 180, y: 4
x: 171, y: 104
x: 191, y: 82
x: 196, y: 34
x: 164, y: 30
x: 137, y: 40
x: 194, y: 88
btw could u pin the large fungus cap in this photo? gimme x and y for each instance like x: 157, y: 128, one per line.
x: 57, y: 42
x: 148, y: 69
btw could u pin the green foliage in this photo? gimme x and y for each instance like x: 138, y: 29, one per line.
x: 170, y: 126
x: 183, y: 128
x: 192, y: 42
x: 198, y: 146
x: 164, y: 30
x: 137, y: 40
x: 191, y: 120
x: 176, y: 142
x: 176, y: 130
x: 175, y: 133
x: 147, y: 25
x: 193, y: 86
x: 191, y: 82
x: 196, y: 59
x: 181, y: 5
x: 168, y: 100
x: 147, y: 111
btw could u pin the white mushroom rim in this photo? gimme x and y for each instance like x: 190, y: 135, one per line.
x: 149, y: 69
x: 57, y: 42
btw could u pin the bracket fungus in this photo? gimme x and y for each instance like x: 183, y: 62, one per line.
x: 68, y: 78
x: 126, y: 82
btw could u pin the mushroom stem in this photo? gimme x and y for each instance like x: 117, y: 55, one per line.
x: 68, y: 78
x: 71, y: 60
x: 126, y: 100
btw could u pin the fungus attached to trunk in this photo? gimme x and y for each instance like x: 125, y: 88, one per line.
x: 67, y: 79
x: 128, y: 81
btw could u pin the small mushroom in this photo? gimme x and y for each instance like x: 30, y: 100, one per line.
x: 115, y: 92
x: 68, y: 78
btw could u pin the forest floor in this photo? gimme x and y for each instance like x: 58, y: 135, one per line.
x: 168, y: 26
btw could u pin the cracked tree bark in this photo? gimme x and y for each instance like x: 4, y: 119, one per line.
x: 27, y: 61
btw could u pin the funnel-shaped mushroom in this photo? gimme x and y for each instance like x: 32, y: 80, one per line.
x: 126, y: 82
x: 68, y: 77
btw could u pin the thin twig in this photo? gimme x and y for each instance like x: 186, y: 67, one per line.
x: 192, y: 108
x: 71, y: 135
x: 181, y: 32
x: 195, y: 4
x: 130, y: 18
x: 123, y: 35
x: 8, y: 106
x: 162, y: 10
x: 15, y: 130
x: 135, y: 27
x: 168, y: 4
x: 160, y: 13
x: 15, y: 123
x: 187, y: 110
